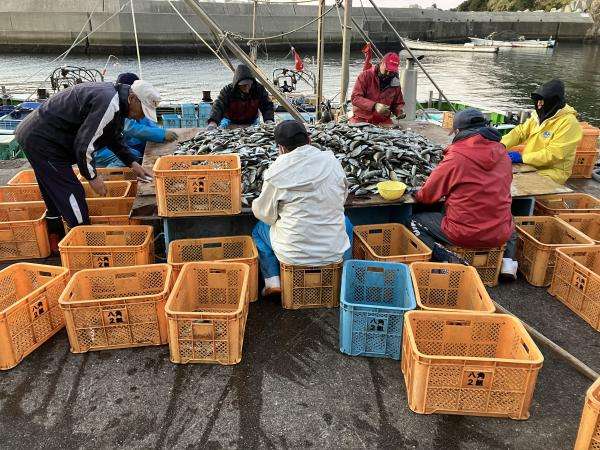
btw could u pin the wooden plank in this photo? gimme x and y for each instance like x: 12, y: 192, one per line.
x: 522, y: 168
x: 144, y: 206
x: 532, y: 184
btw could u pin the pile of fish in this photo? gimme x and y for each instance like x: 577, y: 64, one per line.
x: 368, y: 154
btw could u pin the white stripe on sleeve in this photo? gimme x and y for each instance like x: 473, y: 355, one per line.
x: 109, y: 114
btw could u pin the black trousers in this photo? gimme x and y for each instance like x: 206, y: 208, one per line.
x: 62, y: 192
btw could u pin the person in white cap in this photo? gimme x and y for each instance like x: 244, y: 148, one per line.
x: 68, y: 129
x: 136, y: 133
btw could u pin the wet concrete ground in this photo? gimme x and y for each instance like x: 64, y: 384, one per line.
x: 292, y: 389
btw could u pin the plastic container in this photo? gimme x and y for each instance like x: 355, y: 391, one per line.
x: 391, y: 190
x: 100, y: 246
x: 537, y: 239
x: 448, y: 120
x: 20, y: 193
x: 388, y: 242
x: 589, y: 141
x: 587, y: 223
x: 487, y: 261
x: 223, y: 249
x: 583, y: 164
x: 468, y: 364
x: 189, y: 122
x: 207, y: 312
x: 23, y: 233
x: 114, y: 189
x: 550, y: 205
x: 29, y: 312
x: 118, y: 307
x: 23, y: 177
x: 187, y: 110
x: 117, y: 174
x: 104, y: 207
x: 204, y: 112
x: 449, y: 287
x: 576, y: 281
x: 310, y: 286
x: 171, y: 121
x: 375, y: 296
x: 588, y: 436
x: 198, y: 185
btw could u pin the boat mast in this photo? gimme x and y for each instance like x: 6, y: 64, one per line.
x: 346, y: 41
x: 241, y: 54
x: 320, y: 55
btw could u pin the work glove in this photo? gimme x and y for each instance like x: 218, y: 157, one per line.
x: 171, y: 136
x: 515, y: 157
x: 382, y: 110
x: 411, y: 191
x: 224, y: 123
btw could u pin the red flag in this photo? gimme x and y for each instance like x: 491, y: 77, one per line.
x: 297, y: 60
x: 368, y: 52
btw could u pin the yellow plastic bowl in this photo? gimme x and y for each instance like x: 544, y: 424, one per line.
x: 391, y: 190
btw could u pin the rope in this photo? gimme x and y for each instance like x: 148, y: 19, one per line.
x: 267, y: 38
x: 137, y: 44
x: 225, y: 63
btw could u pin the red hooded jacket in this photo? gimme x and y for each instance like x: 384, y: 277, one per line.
x: 366, y: 93
x: 475, y: 177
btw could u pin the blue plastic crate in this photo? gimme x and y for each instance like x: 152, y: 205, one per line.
x: 8, y: 123
x: 189, y: 122
x: 373, y: 300
x: 188, y: 110
x: 171, y: 121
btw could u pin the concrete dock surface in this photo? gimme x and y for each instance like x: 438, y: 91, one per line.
x: 292, y: 389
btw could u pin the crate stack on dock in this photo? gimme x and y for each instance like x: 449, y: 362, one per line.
x: 586, y: 155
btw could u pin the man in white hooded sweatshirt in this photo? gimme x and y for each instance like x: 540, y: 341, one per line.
x: 301, y: 207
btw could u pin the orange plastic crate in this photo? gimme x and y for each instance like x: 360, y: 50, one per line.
x: 29, y: 312
x: 198, y: 185
x: 114, y: 174
x: 576, y: 282
x: 117, y: 307
x: 550, y: 205
x: 310, y: 286
x: 100, y: 246
x: 23, y: 232
x: 474, y: 364
x: 587, y: 223
x: 388, y: 242
x: 224, y: 249
x: 487, y: 261
x: 23, y: 177
x: 449, y: 287
x: 584, y: 164
x: 207, y: 312
x: 31, y: 192
x: 589, y: 141
x: 588, y: 436
x: 538, y: 237
x: 105, y: 207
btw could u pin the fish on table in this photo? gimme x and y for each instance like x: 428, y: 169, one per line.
x: 367, y: 153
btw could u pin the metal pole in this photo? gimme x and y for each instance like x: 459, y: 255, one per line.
x: 406, y: 47
x: 237, y: 51
x: 346, y: 41
x: 137, y: 44
x: 320, y: 54
x: 253, y: 47
x: 556, y: 349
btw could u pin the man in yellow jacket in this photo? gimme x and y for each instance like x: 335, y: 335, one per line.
x: 551, y: 134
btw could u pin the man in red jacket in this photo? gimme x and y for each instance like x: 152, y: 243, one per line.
x: 377, y: 93
x: 475, y: 178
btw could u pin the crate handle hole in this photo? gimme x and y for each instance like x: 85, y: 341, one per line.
x: 115, y: 233
x: 458, y: 323
x: 375, y: 269
x: 212, y: 245
x: 526, y: 347
x: 125, y: 275
x: 439, y: 271
x: 312, y: 271
x: 376, y: 231
x: 216, y: 271
x: 45, y: 274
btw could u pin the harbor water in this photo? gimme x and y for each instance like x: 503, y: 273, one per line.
x: 501, y: 81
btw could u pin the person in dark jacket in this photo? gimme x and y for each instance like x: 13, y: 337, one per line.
x: 474, y: 178
x: 68, y: 129
x: 377, y: 94
x: 239, y: 102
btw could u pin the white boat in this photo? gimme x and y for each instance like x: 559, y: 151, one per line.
x: 439, y: 47
x: 518, y: 43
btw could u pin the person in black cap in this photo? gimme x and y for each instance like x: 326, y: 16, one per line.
x: 551, y: 135
x: 301, y: 207
x: 474, y: 178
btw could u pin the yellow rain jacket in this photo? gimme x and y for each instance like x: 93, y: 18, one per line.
x: 549, y: 147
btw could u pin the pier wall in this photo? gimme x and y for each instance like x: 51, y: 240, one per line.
x: 30, y: 25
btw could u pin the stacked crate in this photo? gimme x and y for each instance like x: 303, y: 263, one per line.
x: 189, y: 119
x: 586, y: 154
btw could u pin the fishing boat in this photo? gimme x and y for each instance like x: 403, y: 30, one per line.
x: 469, y: 47
x: 511, y: 40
